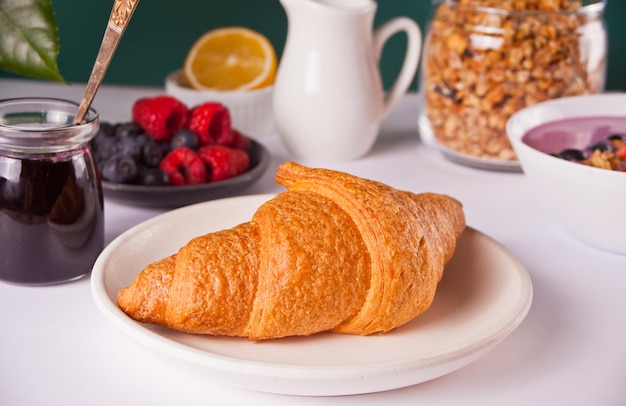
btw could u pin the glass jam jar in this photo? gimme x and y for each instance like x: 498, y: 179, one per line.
x: 51, y: 204
x: 486, y: 59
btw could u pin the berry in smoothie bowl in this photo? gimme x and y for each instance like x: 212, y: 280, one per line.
x: 599, y: 142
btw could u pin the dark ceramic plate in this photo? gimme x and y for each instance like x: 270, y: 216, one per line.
x: 176, y: 196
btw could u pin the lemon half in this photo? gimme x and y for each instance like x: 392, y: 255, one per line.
x: 230, y: 58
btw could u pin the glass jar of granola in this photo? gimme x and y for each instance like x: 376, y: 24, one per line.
x: 486, y: 59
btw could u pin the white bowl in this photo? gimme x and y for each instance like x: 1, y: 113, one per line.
x: 250, y: 111
x: 586, y: 202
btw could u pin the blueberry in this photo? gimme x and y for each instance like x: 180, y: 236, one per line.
x: 128, y: 146
x: 105, y: 132
x: 104, y: 147
x: 152, y: 177
x: 106, y: 129
x: 119, y: 169
x: 143, y: 138
x: 185, y: 138
x: 129, y: 129
x: 152, y: 153
x: 600, y: 146
x: 572, y: 154
x: 166, y: 147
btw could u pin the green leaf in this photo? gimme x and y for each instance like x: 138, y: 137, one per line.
x: 29, y: 42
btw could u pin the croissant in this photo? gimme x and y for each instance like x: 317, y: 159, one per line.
x: 335, y: 252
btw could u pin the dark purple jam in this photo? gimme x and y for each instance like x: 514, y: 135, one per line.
x: 51, y: 218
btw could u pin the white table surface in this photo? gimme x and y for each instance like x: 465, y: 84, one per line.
x: 56, y: 348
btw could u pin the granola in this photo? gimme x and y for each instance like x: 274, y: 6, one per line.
x: 609, y: 154
x: 487, y: 59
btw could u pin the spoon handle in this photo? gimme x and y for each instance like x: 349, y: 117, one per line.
x: 118, y: 21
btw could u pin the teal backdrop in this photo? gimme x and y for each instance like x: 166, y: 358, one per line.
x: 162, y: 31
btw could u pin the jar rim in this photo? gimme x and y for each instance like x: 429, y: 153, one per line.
x: 592, y: 7
x: 42, y: 124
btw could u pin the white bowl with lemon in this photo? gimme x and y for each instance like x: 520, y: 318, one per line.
x: 234, y: 66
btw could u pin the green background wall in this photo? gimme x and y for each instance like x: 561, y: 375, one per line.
x: 162, y: 31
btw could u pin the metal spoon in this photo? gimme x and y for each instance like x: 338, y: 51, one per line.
x: 118, y: 21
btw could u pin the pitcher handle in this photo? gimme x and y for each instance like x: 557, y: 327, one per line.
x: 411, y: 58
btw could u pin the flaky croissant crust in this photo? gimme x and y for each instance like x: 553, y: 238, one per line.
x: 334, y: 252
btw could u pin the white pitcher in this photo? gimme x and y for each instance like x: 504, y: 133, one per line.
x: 328, y: 96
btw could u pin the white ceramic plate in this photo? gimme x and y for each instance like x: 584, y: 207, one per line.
x: 429, y: 138
x: 479, y: 163
x: 484, y: 296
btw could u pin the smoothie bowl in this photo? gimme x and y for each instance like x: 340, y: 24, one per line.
x: 571, y: 150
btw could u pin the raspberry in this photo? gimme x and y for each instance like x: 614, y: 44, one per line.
x: 183, y: 166
x: 225, y: 162
x: 240, y: 141
x: 160, y: 116
x: 211, y: 123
